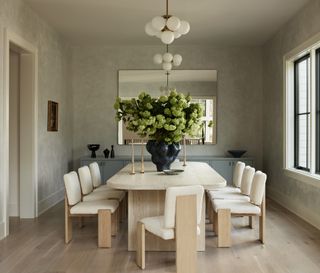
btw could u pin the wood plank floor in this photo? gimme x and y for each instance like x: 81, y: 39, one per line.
x: 292, y: 245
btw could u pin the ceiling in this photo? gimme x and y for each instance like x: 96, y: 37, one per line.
x: 121, y: 22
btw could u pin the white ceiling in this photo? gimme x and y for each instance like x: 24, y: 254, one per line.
x: 121, y: 22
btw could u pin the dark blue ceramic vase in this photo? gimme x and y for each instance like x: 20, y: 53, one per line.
x: 162, y: 154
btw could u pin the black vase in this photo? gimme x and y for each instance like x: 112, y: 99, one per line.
x: 162, y: 154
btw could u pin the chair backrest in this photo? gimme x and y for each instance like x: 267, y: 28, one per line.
x: 170, y: 203
x: 72, y: 185
x: 258, y: 188
x: 85, y: 180
x: 95, y: 174
x: 246, y: 180
x: 237, y: 173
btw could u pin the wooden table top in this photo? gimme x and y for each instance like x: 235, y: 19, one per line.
x: 195, y: 173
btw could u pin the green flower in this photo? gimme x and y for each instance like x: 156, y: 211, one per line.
x: 167, y: 118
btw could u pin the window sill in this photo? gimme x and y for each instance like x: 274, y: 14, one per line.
x: 303, y: 176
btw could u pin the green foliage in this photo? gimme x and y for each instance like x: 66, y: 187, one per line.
x: 167, y: 118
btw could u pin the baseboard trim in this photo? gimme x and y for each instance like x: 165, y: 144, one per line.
x: 295, y: 207
x: 2, y: 228
x: 50, y: 201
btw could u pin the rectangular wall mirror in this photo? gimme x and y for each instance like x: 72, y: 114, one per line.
x: 200, y: 84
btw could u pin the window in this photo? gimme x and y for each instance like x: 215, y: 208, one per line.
x: 302, y: 112
x: 318, y: 111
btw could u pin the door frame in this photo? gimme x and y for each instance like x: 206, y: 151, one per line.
x: 31, y: 52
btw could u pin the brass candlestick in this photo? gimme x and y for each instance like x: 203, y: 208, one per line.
x: 132, y: 158
x: 142, y: 158
x: 184, y: 152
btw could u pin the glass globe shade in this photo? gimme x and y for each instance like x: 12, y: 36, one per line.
x: 167, y: 66
x: 177, y: 59
x: 158, y: 34
x: 176, y: 34
x: 184, y: 27
x: 173, y: 23
x: 149, y: 29
x: 167, y: 57
x: 157, y: 59
x: 158, y: 23
x: 167, y: 37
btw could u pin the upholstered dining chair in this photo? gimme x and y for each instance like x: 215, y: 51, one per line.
x: 225, y: 208
x: 236, y: 179
x: 240, y: 194
x: 181, y: 219
x: 96, y: 178
x: 74, y: 207
x: 87, y: 189
x: 99, y: 187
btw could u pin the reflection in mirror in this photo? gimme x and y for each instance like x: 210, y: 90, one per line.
x: 200, y: 84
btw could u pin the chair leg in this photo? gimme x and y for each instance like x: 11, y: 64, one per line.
x: 120, y: 210
x: 114, y: 223
x: 214, y: 221
x: 141, y: 251
x: 262, y: 221
x: 68, y: 223
x: 104, y: 228
x: 251, y: 221
x: 224, y: 228
x: 186, y: 234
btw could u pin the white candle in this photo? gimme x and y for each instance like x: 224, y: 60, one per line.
x: 142, y: 158
x: 132, y: 158
x: 184, y: 152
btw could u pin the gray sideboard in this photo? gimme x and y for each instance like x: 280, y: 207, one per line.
x: 223, y: 165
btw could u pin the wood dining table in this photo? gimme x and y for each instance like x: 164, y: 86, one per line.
x: 146, y: 196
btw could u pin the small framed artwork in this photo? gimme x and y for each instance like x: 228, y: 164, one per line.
x: 52, y: 125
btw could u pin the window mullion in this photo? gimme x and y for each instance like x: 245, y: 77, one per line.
x: 312, y: 105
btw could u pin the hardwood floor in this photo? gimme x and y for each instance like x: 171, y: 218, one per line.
x: 38, y: 246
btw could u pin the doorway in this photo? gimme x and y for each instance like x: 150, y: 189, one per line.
x: 20, y: 130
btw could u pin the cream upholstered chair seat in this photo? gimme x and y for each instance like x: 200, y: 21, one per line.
x: 105, y: 187
x: 227, y: 189
x: 228, y: 195
x: 96, y: 178
x: 87, y: 188
x: 238, y: 194
x: 181, y: 220
x: 100, y: 195
x: 223, y: 209
x: 106, y: 210
x: 236, y: 206
x: 92, y: 207
x: 155, y: 225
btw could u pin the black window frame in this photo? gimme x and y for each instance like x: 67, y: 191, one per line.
x: 318, y: 111
x: 297, y: 115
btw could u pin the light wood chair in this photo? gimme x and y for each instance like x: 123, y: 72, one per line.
x: 74, y: 207
x: 223, y: 209
x: 96, y: 178
x: 181, y: 219
x: 235, y: 188
x: 88, y: 193
x: 245, y: 187
x: 98, y: 186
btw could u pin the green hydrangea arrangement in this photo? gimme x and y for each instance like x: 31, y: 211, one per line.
x: 167, y: 118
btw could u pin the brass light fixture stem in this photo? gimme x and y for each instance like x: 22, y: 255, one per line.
x: 167, y: 8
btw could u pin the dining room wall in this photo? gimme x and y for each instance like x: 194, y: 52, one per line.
x: 54, y: 55
x: 301, y: 198
x: 94, y: 85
